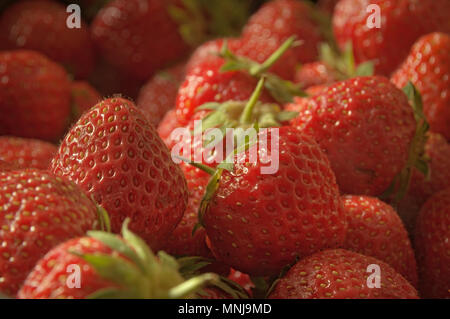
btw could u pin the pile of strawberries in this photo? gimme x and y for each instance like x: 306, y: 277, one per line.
x: 95, y: 202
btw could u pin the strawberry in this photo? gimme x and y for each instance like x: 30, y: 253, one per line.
x: 258, y: 223
x: 35, y: 93
x: 271, y: 25
x: 433, y: 246
x: 168, y: 123
x: 159, y: 94
x: 340, y: 274
x: 315, y: 73
x: 26, y: 153
x: 242, y: 279
x: 7, y: 166
x: 402, y: 23
x: 375, y: 229
x: 138, y: 36
x: 366, y: 127
x: 84, y: 96
x: 37, y: 212
x: 182, y: 242
x: 116, y: 156
x: 41, y: 25
x: 428, y: 68
x: 110, y: 267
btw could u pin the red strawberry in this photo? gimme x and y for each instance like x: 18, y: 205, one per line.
x: 35, y: 93
x: 182, y: 242
x: 341, y: 274
x: 242, y: 279
x: 115, y: 155
x: 402, y: 22
x: 7, y: 166
x: 84, y: 96
x: 168, y: 123
x: 258, y: 223
x: 271, y: 25
x: 375, y: 229
x: 138, y: 36
x: 366, y: 126
x: 428, y: 68
x: 159, y: 94
x: 41, y: 25
x: 206, y: 83
x: 315, y: 73
x: 109, y: 267
x: 26, y: 153
x: 433, y: 246
x: 37, y: 212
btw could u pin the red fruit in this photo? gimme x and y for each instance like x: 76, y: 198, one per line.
x: 428, y: 67
x: 7, y: 166
x: 182, y: 242
x: 159, y: 94
x: 271, y: 25
x: 366, y: 126
x: 315, y: 73
x: 35, y: 93
x: 26, y: 153
x: 375, y: 230
x: 402, y: 23
x: 341, y: 274
x: 433, y: 246
x: 258, y: 223
x: 84, y: 96
x: 327, y: 5
x: 242, y: 279
x: 206, y: 83
x: 41, y: 25
x: 138, y: 36
x: 168, y: 123
x: 115, y: 155
x: 37, y: 212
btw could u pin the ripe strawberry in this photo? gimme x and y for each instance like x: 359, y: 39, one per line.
x: 159, y: 94
x: 26, y: 153
x: 35, y: 93
x: 375, y: 229
x: 37, y: 212
x: 315, y: 73
x: 366, y: 126
x: 7, y: 166
x: 138, y: 36
x: 115, y: 155
x: 182, y: 242
x: 84, y: 96
x: 428, y: 68
x: 341, y: 274
x: 242, y: 279
x: 258, y: 223
x: 109, y: 267
x: 168, y: 123
x: 402, y: 23
x: 41, y: 25
x: 433, y: 246
x: 271, y: 25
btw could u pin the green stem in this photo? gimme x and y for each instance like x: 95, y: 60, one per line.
x: 246, y: 117
x: 203, y: 167
x: 261, y: 68
x: 192, y: 285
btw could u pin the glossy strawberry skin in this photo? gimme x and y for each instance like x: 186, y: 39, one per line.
x: 428, y: 67
x: 45, y: 280
x: 37, y: 212
x: 159, y: 94
x: 375, y: 229
x: 271, y: 25
x: 365, y: 125
x: 432, y: 246
x: 206, y: 83
x: 258, y: 223
x: 116, y: 156
x: 26, y: 153
x: 35, y: 93
x: 402, y: 22
x: 340, y: 274
x: 138, y: 36
x: 84, y: 96
x: 315, y: 73
x: 6, y: 166
x: 182, y: 242
x: 41, y: 25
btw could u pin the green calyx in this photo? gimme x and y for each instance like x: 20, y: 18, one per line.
x: 140, y: 274
x: 282, y: 90
x: 416, y: 157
